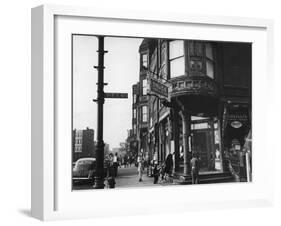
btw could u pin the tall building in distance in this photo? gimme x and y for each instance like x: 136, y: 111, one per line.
x: 83, y: 144
x: 193, y: 97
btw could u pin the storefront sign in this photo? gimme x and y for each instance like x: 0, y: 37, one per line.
x: 238, y: 116
x: 157, y: 88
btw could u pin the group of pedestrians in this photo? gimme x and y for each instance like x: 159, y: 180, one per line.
x: 165, y: 170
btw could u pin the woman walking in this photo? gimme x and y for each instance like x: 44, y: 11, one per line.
x: 168, y: 167
x: 140, y: 168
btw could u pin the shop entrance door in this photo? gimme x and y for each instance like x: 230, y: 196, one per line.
x: 203, y: 144
x: 201, y: 147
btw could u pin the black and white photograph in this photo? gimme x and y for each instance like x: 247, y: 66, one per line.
x: 160, y: 112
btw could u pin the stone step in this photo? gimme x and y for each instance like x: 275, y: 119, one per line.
x: 205, y: 178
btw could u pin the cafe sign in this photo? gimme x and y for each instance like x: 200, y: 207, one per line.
x: 158, y: 88
x: 238, y: 116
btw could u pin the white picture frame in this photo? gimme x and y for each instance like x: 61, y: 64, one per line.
x: 51, y: 197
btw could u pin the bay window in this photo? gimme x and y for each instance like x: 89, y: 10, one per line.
x: 196, y: 57
x: 209, y: 60
x: 201, y: 59
x: 176, y: 58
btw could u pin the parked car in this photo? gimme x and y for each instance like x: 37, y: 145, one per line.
x: 85, y: 170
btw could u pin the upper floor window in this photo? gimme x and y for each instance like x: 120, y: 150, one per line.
x: 196, y: 56
x: 134, y: 98
x: 176, y: 58
x: 144, y: 114
x: 134, y: 113
x: 144, y: 60
x: 144, y: 87
x: 201, y: 58
x: 209, y: 60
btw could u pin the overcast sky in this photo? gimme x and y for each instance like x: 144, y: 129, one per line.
x: 121, y: 72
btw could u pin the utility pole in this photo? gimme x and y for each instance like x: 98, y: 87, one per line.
x: 99, y: 177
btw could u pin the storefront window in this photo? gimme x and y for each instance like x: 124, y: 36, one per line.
x: 176, y: 57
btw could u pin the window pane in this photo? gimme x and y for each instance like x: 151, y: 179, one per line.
x: 144, y: 60
x: 210, y: 68
x: 209, y: 51
x: 176, y: 49
x: 163, y: 53
x: 177, y: 67
x: 199, y: 49
x: 144, y: 87
x: 191, y: 48
x: 144, y: 109
x: 144, y: 113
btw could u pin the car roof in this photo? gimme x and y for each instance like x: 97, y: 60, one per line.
x: 83, y: 159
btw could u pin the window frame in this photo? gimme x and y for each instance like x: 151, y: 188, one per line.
x: 144, y: 87
x: 170, y: 59
x: 144, y: 113
x: 142, y: 59
x: 207, y: 59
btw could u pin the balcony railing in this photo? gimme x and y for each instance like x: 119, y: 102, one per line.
x: 195, y: 85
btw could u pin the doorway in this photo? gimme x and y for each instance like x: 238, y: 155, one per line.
x: 205, y: 143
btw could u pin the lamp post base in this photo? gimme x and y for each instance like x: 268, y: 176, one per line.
x: 99, y: 183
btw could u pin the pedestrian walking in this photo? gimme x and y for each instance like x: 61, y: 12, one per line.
x: 110, y: 172
x: 162, y: 172
x: 155, y: 172
x: 194, y: 164
x: 115, y: 164
x: 168, y: 167
x: 140, y: 168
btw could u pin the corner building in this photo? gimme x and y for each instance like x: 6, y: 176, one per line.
x: 208, y: 108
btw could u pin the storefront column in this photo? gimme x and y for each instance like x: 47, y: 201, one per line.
x: 186, y: 130
x: 221, y: 109
x: 176, y: 139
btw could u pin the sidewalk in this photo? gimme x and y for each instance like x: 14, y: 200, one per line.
x: 128, y: 178
x: 129, y: 181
